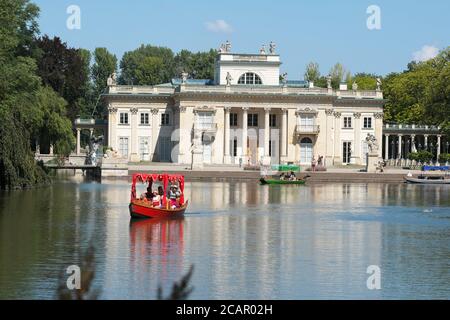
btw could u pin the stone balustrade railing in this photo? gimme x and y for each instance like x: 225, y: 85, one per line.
x: 243, y: 89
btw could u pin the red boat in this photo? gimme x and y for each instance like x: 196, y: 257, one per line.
x: 141, y: 208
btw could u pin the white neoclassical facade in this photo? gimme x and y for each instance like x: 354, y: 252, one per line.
x: 247, y: 114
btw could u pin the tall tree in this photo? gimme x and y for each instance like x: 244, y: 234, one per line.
x: 65, y: 70
x: 147, y: 65
x: 105, y: 64
x: 199, y: 65
x: 312, y: 73
x: 22, y: 112
x: 337, y: 73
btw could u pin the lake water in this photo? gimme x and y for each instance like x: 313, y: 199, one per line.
x: 245, y: 241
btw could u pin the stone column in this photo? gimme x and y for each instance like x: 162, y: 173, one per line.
x: 399, y: 151
x: 134, y: 156
x: 227, y: 158
x: 244, y: 134
x: 78, y: 141
x: 155, y: 133
x: 413, y: 143
x: 438, y: 147
x: 51, y: 149
x: 112, y: 124
x: 38, y: 147
x: 425, y: 144
x: 386, y: 147
x: 266, y: 157
x: 337, y: 159
x: 283, y: 144
x: 357, y: 142
x: 379, y: 130
x: 329, y: 138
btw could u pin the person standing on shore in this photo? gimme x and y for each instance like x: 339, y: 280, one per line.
x: 313, y: 164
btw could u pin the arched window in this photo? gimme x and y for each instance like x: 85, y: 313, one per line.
x: 249, y: 78
x: 306, y: 140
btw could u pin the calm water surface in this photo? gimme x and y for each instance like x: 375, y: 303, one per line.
x: 245, y: 241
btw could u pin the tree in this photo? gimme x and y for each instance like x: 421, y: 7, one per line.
x: 147, y: 65
x: 312, y: 73
x: 199, y: 65
x: 420, y: 94
x: 366, y: 81
x: 337, y: 73
x: 105, y: 64
x: 26, y: 108
x: 66, y: 70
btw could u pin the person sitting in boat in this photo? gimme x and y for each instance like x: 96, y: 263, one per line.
x: 156, y: 200
x: 282, y: 176
x: 292, y: 176
x: 174, y: 195
x: 147, y: 195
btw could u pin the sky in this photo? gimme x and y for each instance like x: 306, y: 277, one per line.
x: 322, y: 31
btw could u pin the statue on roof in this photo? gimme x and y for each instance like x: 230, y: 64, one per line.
x: 263, y: 49
x: 378, y: 84
x: 228, y: 79
x: 329, y: 82
x: 272, y: 47
x: 184, y: 77
x: 112, y: 80
x: 284, y: 78
x: 228, y: 46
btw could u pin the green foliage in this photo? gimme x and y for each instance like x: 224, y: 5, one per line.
x: 444, y: 157
x: 366, y: 81
x: 420, y: 94
x: 199, y: 65
x: 66, y: 70
x: 105, y: 64
x: 26, y: 108
x: 312, y: 72
x: 147, y: 65
x: 422, y: 156
x: 338, y: 73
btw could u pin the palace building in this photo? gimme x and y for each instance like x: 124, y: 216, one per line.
x: 248, y: 114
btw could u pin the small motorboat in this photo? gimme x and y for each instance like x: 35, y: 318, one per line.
x: 141, y: 208
x: 422, y: 179
x: 265, y: 181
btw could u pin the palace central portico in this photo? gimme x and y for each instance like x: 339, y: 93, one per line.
x: 247, y: 114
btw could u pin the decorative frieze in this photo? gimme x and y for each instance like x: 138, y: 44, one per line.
x: 134, y: 110
x: 378, y: 115
x: 329, y: 112
x: 337, y: 114
x: 357, y: 115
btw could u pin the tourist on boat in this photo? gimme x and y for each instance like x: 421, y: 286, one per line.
x: 156, y: 200
x: 174, y: 195
x: 282, y: 176
x: 147, y: 195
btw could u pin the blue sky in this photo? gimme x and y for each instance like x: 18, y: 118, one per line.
x: 322, y: 31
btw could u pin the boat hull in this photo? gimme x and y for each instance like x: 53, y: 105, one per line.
x: 427, y: 181
x: 140, y: 211
x: 273, y: 181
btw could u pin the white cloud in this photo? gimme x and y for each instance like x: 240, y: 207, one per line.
x: 426, y: 53
x: 219, y: 26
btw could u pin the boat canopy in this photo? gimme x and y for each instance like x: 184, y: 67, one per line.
x: 285, y: 167
x: 165, y: 179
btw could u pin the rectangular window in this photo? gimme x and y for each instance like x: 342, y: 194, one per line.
x: 123, y: 146
x: 123, y: 118
x: 347, y: 122
x: 165, y: 119
x: 234, y: 146
x: 252, y: 120
x: 205, y: 120
x: 233, y: 119
x: 145, y: 119
x: 273, y: 120
x: 367, y: 123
